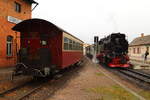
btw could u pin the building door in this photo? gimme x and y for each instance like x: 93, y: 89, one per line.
x: 147, y: 48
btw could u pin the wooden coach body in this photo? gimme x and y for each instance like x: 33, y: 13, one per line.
x: 64, y: 48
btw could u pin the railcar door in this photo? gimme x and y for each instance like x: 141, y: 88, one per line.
x: 44, y: 52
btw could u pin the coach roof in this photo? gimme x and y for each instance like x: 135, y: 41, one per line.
x: 38, y: 25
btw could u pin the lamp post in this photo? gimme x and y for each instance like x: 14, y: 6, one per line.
x: 96, y: 44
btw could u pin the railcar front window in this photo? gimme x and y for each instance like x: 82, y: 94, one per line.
x: 43, y: 42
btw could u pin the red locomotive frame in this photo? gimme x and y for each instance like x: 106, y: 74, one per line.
x: 115, y: 61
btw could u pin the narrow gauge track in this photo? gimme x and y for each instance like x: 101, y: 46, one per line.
x: 12, y: 89
x: 140, y: 78
x: 32, y: 86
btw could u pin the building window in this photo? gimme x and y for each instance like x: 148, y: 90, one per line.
x: 134, y: 50
x: 129, y: 50
x: 138, y: 50
x: 17, y: 7
x: 147, y: 48
x: 9, y: 45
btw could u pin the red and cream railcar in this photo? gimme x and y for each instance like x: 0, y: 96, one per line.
x: 45, y: 48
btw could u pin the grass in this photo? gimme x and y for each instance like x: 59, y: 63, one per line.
x: 99, y: 74
x: 114, y: 92
x: 145, y: 94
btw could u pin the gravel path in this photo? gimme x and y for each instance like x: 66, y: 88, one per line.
x: 91, y: 84
x: 87, y: 82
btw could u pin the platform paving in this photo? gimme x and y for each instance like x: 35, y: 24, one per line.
x: 140, y: 64
x: 6, y: 72
x: 95, y: 83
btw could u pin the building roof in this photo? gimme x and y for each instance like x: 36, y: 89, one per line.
x: 31, y: 1
x: 140, y: 41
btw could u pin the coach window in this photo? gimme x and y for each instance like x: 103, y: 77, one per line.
x: 78, y: 46
x: 81, y: 47
x: 74, y: 45
x: 70, y: 44
x: 17, y: 7
x: 44, y: 42
x: 9, y: 45
x: 66, y: 43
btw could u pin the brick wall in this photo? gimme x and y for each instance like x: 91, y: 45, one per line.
x: 7, y: 8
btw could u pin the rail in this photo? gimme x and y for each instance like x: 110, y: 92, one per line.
x: 141, y: 78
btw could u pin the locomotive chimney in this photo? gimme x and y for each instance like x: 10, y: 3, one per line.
x: 142, y: 34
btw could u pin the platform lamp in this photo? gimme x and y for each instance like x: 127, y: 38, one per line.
x: 96, y: 44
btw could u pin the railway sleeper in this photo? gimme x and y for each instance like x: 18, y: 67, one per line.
x: 141, y: 78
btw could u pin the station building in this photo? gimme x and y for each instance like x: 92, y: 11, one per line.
x: 138, y: 47
x: 84, y: 48
x: 11, y: 13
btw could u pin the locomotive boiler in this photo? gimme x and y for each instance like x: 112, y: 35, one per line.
x: 113, y: 50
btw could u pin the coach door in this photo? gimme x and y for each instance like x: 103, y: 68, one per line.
x: 44, y: 52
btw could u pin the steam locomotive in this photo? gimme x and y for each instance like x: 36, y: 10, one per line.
x: 113, y: 50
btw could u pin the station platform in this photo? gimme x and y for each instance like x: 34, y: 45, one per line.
x: 93, y: 82
x: 6, y: 70
x: 140, y: 64
x: 6, y: 73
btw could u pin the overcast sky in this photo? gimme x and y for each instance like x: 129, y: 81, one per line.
x: 88, y: 18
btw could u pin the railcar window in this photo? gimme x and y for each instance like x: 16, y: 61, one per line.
x: 9, y: 45
x: 74, y: 45
x: 43, y: 42
x: 66, y: 43
x: 70, y: 44
x: 78, y: 46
